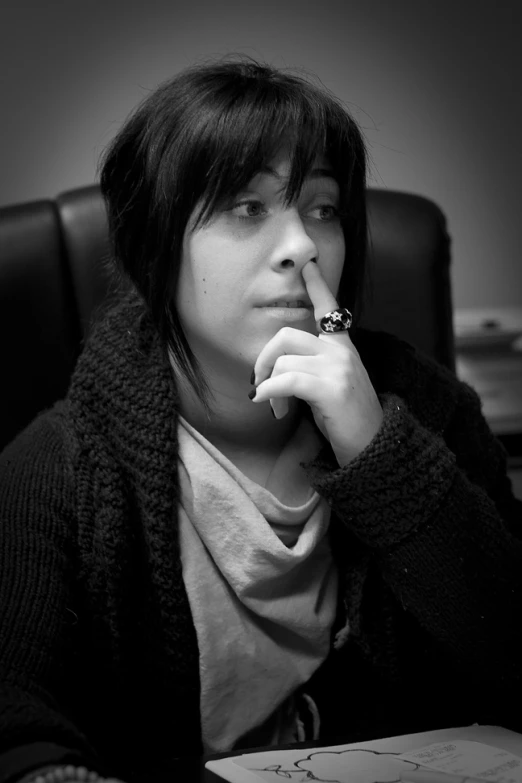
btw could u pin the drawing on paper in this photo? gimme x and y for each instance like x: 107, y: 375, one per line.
x: 365, y: 766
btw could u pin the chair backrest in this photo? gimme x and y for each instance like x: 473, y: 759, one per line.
x: 54, y: 281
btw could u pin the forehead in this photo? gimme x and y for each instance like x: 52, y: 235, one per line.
x: 279, y: 169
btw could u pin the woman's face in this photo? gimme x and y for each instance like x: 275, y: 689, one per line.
x: 249, y: 257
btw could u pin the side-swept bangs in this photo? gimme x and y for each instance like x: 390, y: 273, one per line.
x: 197, y: 141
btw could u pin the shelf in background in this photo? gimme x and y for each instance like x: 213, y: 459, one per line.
x: 488, y: 344
x: 496, y: 376
x: 487, y: 327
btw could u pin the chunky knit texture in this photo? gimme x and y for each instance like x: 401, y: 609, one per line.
x: 98, y: 652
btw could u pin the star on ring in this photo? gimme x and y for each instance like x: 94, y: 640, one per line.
x: 338, y: 320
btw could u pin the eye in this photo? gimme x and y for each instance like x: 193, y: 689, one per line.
x: 248, y: 209
x: 326, y: 212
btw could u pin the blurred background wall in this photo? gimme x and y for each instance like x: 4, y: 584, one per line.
x: 435, y: 86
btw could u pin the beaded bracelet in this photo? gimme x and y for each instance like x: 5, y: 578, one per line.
x: 65, y: 774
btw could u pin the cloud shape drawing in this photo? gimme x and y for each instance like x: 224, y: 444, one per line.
x: 346, y: 766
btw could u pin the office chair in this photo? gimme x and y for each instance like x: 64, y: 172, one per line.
x: 54, y: 283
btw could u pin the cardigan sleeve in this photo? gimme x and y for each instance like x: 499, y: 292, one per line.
x: 36, y: 524
x: 437, y: 513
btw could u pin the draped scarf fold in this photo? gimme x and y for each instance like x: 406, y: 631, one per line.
x: 262, y: 587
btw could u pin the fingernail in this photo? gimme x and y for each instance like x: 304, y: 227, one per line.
x: 273, y: 414
x: 252, y: 393
x: 253, y: 377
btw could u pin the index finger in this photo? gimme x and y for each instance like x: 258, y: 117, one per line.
x: 320, y: 295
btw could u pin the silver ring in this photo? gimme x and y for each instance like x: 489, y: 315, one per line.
x: 338, y: 320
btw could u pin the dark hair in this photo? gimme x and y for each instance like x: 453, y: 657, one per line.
x: 202, y: 136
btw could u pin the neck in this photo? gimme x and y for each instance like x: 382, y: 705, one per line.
x: 236, y: 423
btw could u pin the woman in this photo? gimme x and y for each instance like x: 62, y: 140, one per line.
x: 250, y: 521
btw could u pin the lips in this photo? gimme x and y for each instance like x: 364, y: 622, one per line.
x: 281, y: 303
x: 300, y: 299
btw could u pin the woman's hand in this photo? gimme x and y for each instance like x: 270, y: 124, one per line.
x: 325, y: 371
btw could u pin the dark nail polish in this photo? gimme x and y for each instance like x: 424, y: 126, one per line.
x: 252, y: 393
x: 253, y: 377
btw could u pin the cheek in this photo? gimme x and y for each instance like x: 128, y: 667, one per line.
x: 208, y: 282
x: 196, y: 278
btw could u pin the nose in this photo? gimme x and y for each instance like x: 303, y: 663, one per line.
x: 293, y: 246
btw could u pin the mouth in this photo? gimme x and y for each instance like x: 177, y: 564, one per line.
x: 292, y: 305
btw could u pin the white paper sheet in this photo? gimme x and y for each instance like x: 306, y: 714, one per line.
x: 377, y: 761
x: 467, y: 758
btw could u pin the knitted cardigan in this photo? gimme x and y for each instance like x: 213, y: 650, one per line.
x: 98, y: 651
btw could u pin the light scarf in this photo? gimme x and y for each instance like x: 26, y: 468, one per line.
x: 261, y: 584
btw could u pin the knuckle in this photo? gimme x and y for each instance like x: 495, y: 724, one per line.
x: 280, y: 364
